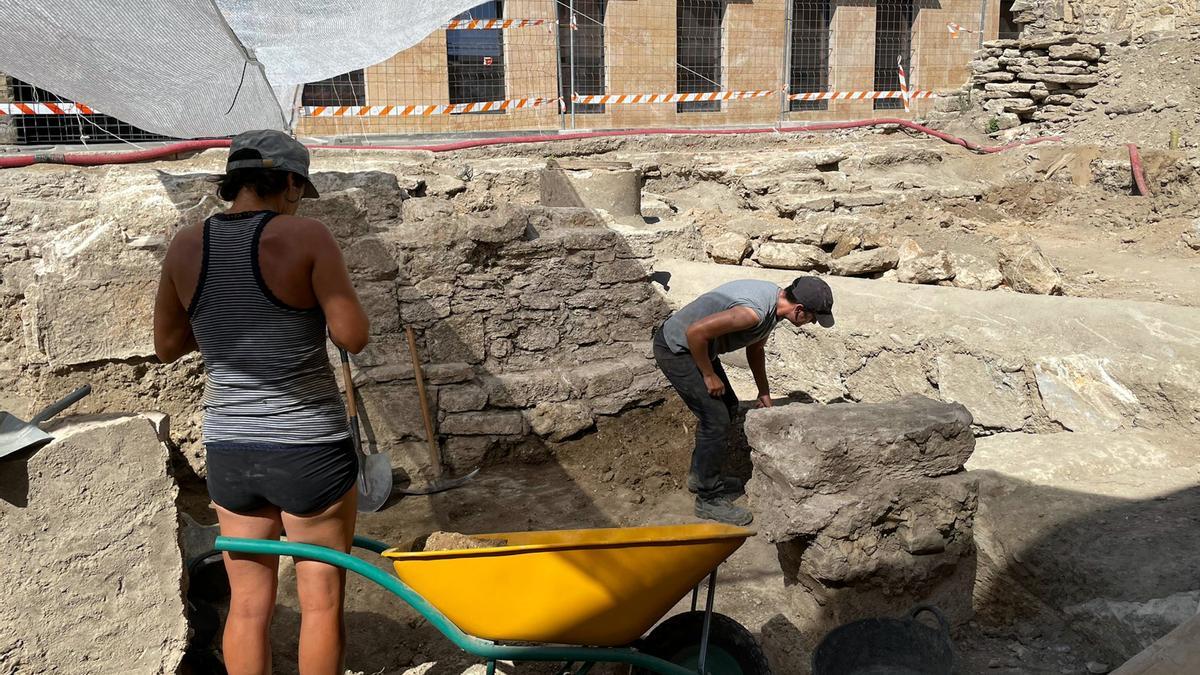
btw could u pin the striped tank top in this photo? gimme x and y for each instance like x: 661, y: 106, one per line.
x: 268, y: 377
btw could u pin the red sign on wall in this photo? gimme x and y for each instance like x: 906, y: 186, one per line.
x: 487, y: 60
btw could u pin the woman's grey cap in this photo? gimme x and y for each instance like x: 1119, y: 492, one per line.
x: 277, y: 150
x: 816, y: 296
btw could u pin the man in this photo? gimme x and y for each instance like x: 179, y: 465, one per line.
x: 687, y: 346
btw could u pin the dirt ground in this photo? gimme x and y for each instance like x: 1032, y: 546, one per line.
x: 630, y: 472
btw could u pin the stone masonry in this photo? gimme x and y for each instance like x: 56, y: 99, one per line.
x: 867, y: 505
x: 530, y: 321
x: 1041, y: 78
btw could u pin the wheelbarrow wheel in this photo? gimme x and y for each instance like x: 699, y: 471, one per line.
x: 732, y: 650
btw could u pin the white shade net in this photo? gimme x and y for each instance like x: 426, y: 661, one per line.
x: 187, y: 69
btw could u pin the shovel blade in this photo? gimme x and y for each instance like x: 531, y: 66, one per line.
x: 16, y: 436
x: 438, y: 485
x: 375, y: 485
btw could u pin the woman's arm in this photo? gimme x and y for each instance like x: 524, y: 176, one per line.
x: 348, y: 324
x: 172, y: 329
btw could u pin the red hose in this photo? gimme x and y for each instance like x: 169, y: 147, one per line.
x: 1139, y: 176
x: 165, y: 151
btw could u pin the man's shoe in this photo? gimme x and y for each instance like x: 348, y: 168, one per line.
x: 722, y: 510
x: 726, y: 486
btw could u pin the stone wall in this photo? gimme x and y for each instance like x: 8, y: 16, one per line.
x: 530, y: 321
x: 1040, y: 78
x: 1099, y: 16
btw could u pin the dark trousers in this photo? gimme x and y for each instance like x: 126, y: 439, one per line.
x: 714, y: 414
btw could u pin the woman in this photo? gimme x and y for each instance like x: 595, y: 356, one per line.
x: 255, y: 289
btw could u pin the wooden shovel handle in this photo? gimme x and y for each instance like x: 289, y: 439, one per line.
x: 435, y: 457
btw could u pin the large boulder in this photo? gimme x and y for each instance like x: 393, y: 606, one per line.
x: 729, y: 248
x: 867, y: 505
x: 1026, y: 269
x: 791, y: 256
x: 925, y: 269
x: 90, y: 551
x: 865, y: 263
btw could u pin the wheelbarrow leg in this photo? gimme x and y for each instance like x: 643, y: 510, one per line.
x: 708, y: 610
x: 491, y: 668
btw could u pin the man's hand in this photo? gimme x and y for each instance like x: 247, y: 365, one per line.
x: 716, y: 388
x: 764, y: 401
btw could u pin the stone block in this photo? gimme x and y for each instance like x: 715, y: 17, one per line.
x: 1026, y: 269
x: 462, y: 398
x: 925, y: 269
x: 1010, y: 87
x: 1057, y: 78
x: 858, y: 199
x: 888, y: 376
x: 1080, y: 392
x: 345, y: 213
x: 1045, y: 41
x: 1077, y: 51
x: 368, y: 258
x: 863, y: 263
x: 996, y: 76
x: 538, y: 338
x: 379, y: 302
x: 1127, y: 108
x: 79, y: 321
x: 829, y: 448
x: 808, y: 231
x: 791, y: 256
x: 996, y: 399
x: 619, y: 271
x: 526, y: 389
x: 599, y: 379
x: 91, y: 554
x: 867, y: 505
x: 558, y: 421
x: 975, y: 273
x: 484, y: 423
x: 729, y: 248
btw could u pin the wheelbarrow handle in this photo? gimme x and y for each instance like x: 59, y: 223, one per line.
x: 937, y: 613
x: 61, y: 404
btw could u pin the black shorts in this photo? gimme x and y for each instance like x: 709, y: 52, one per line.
x: 300, y: 480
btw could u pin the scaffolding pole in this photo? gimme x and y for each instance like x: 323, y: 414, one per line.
x: 572, y: 26
x: 786, y: 85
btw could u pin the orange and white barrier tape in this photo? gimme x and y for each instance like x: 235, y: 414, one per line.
x: 955, y: 29
x: 903, y: 83
x: 45, y: 109
x: 858, y: 95
x: 494, y: 24
x: 672, y: 98
x: 422, y: 110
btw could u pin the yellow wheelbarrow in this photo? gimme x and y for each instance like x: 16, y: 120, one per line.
x: 581, y: 596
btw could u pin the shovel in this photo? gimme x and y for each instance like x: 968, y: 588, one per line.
x: 16, y: 435
x: 374, y: 470
x: 440, y: 482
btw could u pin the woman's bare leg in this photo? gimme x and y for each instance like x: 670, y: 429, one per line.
x: 246, y: 643
x: 322, y: 587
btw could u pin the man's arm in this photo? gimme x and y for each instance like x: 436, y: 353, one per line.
x: 756, y: 356
x: 701, y: 332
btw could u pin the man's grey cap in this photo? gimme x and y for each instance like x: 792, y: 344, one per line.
x: 277, y: 150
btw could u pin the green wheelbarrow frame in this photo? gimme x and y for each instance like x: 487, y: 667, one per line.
x: 490, y: 651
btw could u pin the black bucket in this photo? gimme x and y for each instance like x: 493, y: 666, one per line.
x: 895, y: 646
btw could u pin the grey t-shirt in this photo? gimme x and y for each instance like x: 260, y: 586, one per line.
x: 759, y: 296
